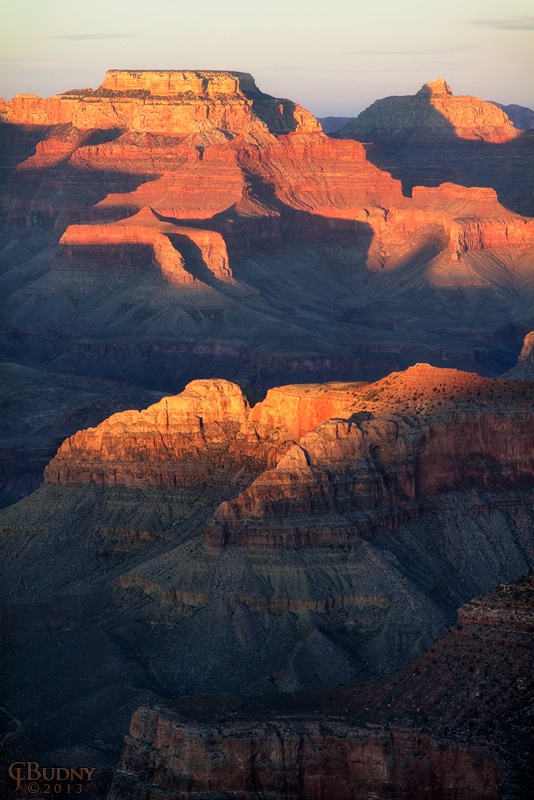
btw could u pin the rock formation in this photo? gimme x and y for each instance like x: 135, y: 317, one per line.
x: 203, y: 435
x: 325, y: 535
x: 174, y: 228
x: 409, y: 437
x: 434, y: 136
x: 433, y: 112
x: 204, y: 103
x: 175, y: 225
x: 455, y: 722
x: 524, y: 370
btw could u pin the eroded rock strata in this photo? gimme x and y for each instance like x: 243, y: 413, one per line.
x: 323, y: 535
x: 406, y: 438
x: 435, y: 136
x: 457, y: 722
x: 175, y: 225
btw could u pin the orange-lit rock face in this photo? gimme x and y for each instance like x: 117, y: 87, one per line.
x: 145, y: 229
x: 410, y: 436
x: 434, y: 112
x: 365, y: 454
x: 213, y: 147
x: 164, y: 101
x: 204, y: 433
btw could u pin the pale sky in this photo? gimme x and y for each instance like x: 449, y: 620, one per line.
x: 334, y: 57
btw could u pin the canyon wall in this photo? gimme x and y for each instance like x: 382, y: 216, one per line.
x: 434, y: 729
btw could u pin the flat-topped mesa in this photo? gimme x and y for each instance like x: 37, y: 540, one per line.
x: 410, y: 436
x: 167, y: 83
x: 204, y: 435
x: 432, y: 113
x: 166, y: 101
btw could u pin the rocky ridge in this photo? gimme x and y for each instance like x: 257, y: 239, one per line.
x: 434, y: 137
x: 458, y: 721
x: 408, y: 437
x: 346, y: 548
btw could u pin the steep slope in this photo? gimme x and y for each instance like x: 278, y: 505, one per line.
x: 458, y: 722
x: 434, y: 136
x: 324, y: 535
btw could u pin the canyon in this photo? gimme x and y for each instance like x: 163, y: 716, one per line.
x: 455, y: 723
x: 267, y: 433
x: 324, y: 535
x: 172, y: 225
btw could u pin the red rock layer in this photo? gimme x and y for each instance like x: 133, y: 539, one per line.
x: 174, y: 758
x: 212, y: 146
x: 165, y: 101
x: 145, y: 229
x: 433, y: 113
x: 204, y: 434
x: 409, y: 436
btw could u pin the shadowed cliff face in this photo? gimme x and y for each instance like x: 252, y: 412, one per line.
x: 327, y: 534
x: 456, y: 722
x: 335, y: 271
x: 433, y: 137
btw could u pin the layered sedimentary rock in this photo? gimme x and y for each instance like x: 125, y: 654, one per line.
x: 433, y: 112
x: 434, y: 136
x: 205, y: 532
x: 205, y: 434
x: 304, y: 760
x: 455, y: 722
x: 165, y: 101
x: 174, y: 225
x: 107, y: 243
x: 409, y: 437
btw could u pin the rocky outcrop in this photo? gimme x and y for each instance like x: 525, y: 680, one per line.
x: 206, y: 434
x: 524, y: 370
x: 455, y: 722
x: 409, y: 437
x: 331, y: 760
x: 432, y: 113
x: 107, y: 244
x: 205, y: 102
